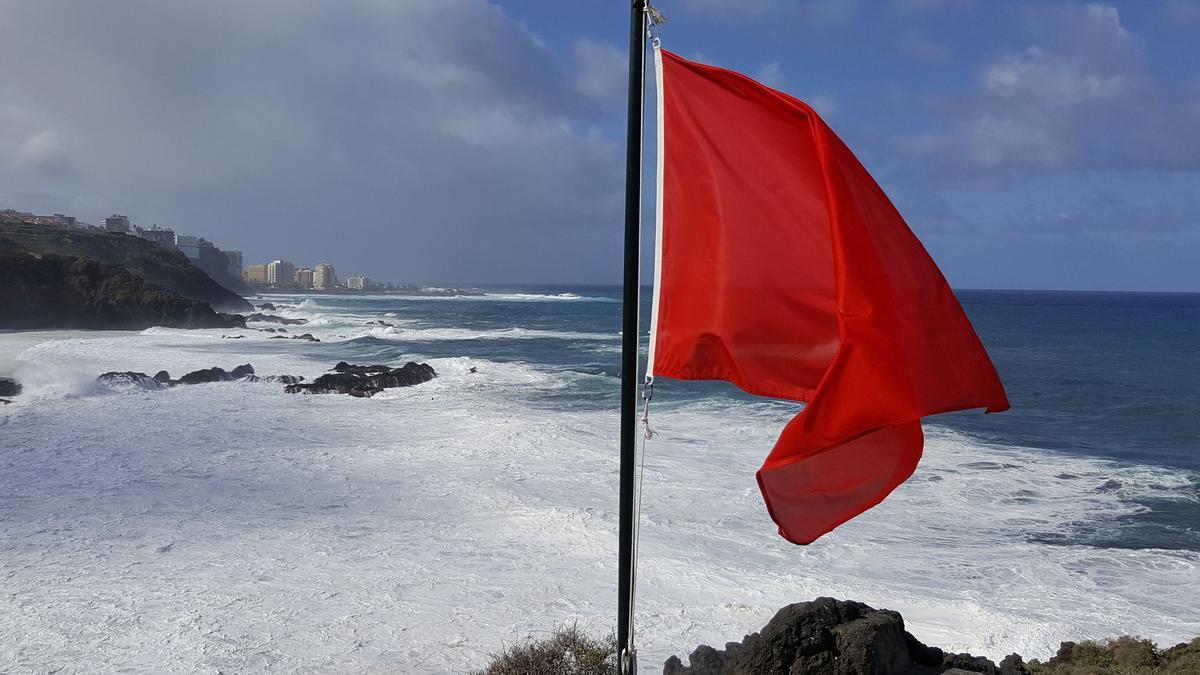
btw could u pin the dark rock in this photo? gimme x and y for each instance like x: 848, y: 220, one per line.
x: 306, y: 336
x: 825, y: 637
x: 216, y: 375
x: 233, y: 337
x: 277, y: 337
x: 268, y: 330
x: 63, y: 291
x: 162, y: 377
x: 272, y: 318
x: 5, y: 401
x: 365, y: 381
x: 163, y: 268
x: 381, y: 323
x: 9, y: 387
x: 1013, y: 665
x: 970, y: 664
x: 130, y: 378
x: 284, y: 379
x: 266, y: 306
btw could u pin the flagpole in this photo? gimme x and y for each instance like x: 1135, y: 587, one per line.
x: 629, y: 333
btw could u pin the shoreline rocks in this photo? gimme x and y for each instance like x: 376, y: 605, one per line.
x: 346, y: 378
x: 162, y: 379
x: 834, y: 637
x: 9, y: 388
x: 274, y: 318
x: 365, y: 381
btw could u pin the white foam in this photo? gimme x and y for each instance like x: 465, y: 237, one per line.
x: 235, y: 527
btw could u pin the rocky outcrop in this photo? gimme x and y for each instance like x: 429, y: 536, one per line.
x: 162, y: 379
x: 365, y: 381
x: 57, y: 291
x: 162, y: 267
x: 9, y: 388
x: 273, y: 318
x: 834, y: 637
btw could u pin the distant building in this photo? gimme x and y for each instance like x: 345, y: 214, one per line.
x: 255, y: 274
x: 189, y: 245
x: 304, y: 278
x: 158, y: 235
x: 116, y: 223
x: 281, y: 273
x: 66, y: 221
x: 233, y: 264
x: 324, y: 277
x: 358, y: 282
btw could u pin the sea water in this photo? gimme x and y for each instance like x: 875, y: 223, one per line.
x: 232, y: 527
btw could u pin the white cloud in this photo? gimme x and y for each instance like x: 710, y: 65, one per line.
x: 42, y: 151
x: 1081, y: 97
x: 603, y: 69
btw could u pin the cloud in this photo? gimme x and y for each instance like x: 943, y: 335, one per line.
x: 407, y: 140
x: 1080, y: 97
x: 603, y: 69
x: 771, y: 74
x: 43, y: 151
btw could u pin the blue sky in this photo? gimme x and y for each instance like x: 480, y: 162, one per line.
x: 1030, y: 145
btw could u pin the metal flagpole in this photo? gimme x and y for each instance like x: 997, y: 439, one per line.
x: 626, y: 659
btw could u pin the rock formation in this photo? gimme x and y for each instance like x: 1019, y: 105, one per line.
x: 365, y: 381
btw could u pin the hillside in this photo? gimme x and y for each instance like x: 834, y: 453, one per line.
x: 167, y: 269
x: 55, y: 291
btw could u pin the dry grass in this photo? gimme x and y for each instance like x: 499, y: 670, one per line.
x: 565, y: 651
x: 1122, y: 656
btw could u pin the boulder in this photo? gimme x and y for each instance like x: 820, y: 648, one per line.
x: 9, y: 387
x: 306, y: 336
x: 266, y: 306
x: 365, y: 381
x: 825, y: 637
x: 216, y: 375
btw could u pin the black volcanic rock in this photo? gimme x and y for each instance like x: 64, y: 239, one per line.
x: 9, y: 387
x: 273, y: 318
x: 365, y: 381
x: 823, y: 637
x: 162, y: 379
x: 55, y: 291
x: 165, y: 268
x: 216, y: 375
x: 266, y: 306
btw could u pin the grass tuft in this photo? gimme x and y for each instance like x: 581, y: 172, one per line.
x: 565, y: 651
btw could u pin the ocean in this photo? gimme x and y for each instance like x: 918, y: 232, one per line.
x: 234, y: 527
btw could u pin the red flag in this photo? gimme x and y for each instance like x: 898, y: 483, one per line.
x: 782, y: 267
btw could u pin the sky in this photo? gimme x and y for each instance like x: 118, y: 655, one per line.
x: 1044, y: 144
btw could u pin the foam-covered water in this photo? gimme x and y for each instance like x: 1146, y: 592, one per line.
x: 234, y: 527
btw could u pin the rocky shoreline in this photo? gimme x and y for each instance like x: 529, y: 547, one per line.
x: 843, y: 637
x: 346, y: 378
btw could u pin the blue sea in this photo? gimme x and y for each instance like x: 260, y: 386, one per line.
x: 234, y: 526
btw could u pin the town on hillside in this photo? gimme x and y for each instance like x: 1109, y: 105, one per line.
x: 227, y: 266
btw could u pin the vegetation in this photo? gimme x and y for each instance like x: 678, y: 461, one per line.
x: 565, y: 651
x: 1123, y: 656
x: 56, y: 291
x: 166, y: 268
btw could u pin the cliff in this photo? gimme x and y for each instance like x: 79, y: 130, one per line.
x: 168, y: 269
x: 57, y: 291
